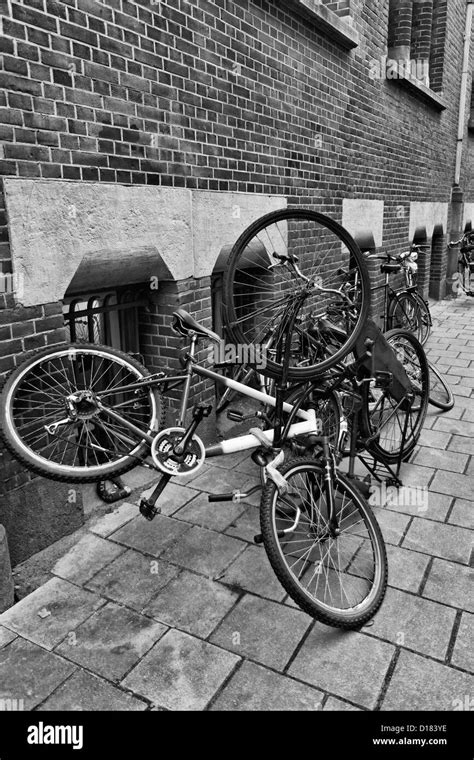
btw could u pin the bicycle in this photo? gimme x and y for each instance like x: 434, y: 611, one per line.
x: 409, y: 310
x: 82, y: 413
x: 465, y: 269
x: 403, y: 308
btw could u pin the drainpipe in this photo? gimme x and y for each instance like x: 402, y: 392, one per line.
x: 457, y: 197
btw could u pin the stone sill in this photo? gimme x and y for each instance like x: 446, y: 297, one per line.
x: 327, y: 22
x: 470, y: 124
x: 419, y: 89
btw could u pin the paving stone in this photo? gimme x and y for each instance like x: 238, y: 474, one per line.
x: 463, y: 654
x: 213, y: 515
x: 446, y: 541
x: 110, y: 522
x: 30, y: 673
x: 84, y: 691
x: 229, y: 461
x: 414, y: 623
x: 333, y: 704
x: 413, y: 500
x: 451, y: 584
x: 181, y: 672
x: 252, y: 571
x: 192, y: 603
x: 254, y: 688
x: 204, y: 551
x: 6, y: 636
x: 264, y: 631
x: 442, y: 460
x: 86, y: 558
x: 462, y: 514
x: 151, y: 537
x: 417, y: 475
x: 133, y: 579
x: 347, y: 664
x: 434, y: 438
x: 422, y: 684
x: 51, y: 612
x: 111, y: 641
x: 219, y: 480
x: 456, y: 427
x: 247, y: 526
x: 453, y: 484
x: 405, y: 568
x: 392, y: 524
x: 173, y: 497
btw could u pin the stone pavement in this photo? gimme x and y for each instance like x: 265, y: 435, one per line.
x: 184, y: 613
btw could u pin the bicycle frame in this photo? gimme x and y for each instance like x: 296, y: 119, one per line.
x: 232, y: 445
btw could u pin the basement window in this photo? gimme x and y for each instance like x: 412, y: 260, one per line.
x: 109, y: 318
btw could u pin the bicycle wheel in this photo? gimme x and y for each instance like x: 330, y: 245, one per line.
x: 441, y: 395
x: 340, y: 580
x: 54, y: 413
x: 296, y: 261
x: 383, y: 419
x: 425, y: 319
x: 404, y: 312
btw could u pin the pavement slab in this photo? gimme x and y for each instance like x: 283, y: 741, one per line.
x: 192, y: 603
x: 451, y: 584
x: 347, y: 664
x: 406, y: 569
x: 133, y: 579
x: 462, y: 514
x: 84, y: 691
x: 51, y: 612
x: 445, y: 541
x: 262, y: 630
x: 30, y: 673
x: 86, y: 558
x: 214, y: 515
x: 204, y: 551
x: 251, y: 571
x: 463, y: 654
x: 6, y: 636
x: 255, y: 688
x: 181, y: 672
x: 151, y: 537
x: 419, y: 683
x: 415, y: 623
x: 111, y: 641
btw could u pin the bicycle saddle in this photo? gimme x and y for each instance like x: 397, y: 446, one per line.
x: 183, y: 324
x: 390, y: 268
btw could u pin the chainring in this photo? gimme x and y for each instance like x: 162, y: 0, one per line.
x: 164, y: 458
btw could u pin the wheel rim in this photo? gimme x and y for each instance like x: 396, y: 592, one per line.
x: 340, y: 574
x: 386, y: 416
x: 265, y: 288
x: 69, y: 385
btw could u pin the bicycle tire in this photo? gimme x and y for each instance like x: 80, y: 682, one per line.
x: 387, y: 445
x: 32, y: 405
x: 237, y: 277
x: 441, y: 395
x: 404, y: 312
x: 292, y: 575
x: 426, y: 319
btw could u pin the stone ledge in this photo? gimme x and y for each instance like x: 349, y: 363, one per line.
x: 420, y: 90
x: 327, y: 22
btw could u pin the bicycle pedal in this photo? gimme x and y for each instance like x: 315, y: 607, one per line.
x: 148, y: 509
x: 235, y: 416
